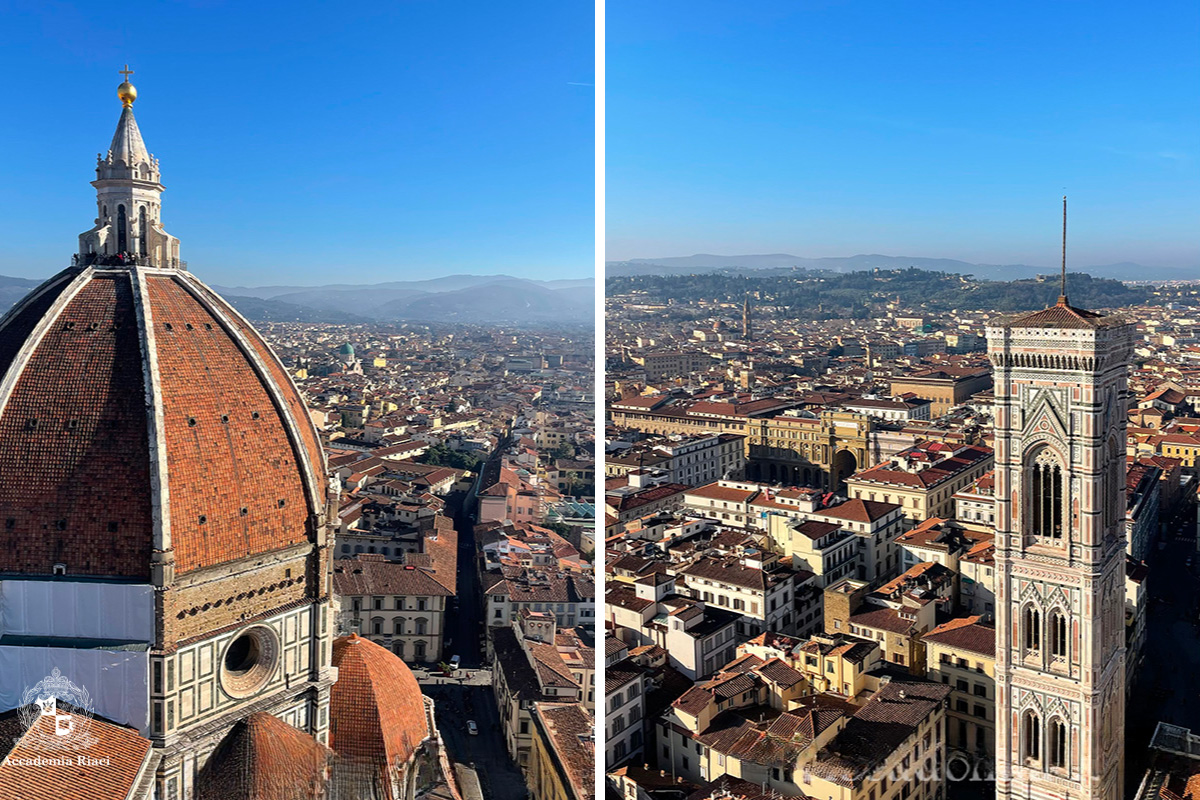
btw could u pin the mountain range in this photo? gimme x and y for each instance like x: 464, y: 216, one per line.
x: 680, y: 265
x: 468, y: 299
x: 481, y: 299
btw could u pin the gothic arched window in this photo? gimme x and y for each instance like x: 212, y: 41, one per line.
x: 1031, y: 736
x: 1045, y: 496
x: 1058, y: 634
x: 1114, y: 472
x: 1058, y: 743
x: 1031, y: 629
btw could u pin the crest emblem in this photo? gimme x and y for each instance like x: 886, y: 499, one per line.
x: 57, y: 714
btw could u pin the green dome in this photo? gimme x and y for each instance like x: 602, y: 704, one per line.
x: 347, y: 349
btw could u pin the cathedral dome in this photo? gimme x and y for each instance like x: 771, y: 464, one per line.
x: 264, y: 758
x: 376, y: 709
x: 142, y: 421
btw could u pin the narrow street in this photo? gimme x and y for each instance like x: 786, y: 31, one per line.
x: 485, y: 752
x: 468, y: 694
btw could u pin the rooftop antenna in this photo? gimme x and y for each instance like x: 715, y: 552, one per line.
x: 1062, y: 296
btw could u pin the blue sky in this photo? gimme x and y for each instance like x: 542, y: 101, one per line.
x: 312, y: 142
x: 941, y: 129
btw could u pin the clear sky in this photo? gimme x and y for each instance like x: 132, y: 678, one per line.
x: 312, y: 142
x: 933, y: 128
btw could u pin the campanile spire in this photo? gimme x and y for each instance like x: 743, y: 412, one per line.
x: 128, y: 227
x: 1062, y: 295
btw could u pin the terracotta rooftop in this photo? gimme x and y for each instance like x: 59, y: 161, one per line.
x: 965, y: 633
x: 376, y: 710
x: 264, y: 758
x: 243, y: 467
x: 1061, y: 315
x: 25, y: 775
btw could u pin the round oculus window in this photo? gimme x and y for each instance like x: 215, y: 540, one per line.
x: 249, y: 661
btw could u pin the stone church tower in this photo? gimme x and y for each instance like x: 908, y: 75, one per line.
x: 164, y: 539
x: 1060, y: 384
x: 747, y: 320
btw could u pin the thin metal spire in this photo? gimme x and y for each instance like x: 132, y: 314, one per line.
x: 1062, y: 295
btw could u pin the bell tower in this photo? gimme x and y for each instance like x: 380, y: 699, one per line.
x: 128, y: 200
x: 1060, y: 384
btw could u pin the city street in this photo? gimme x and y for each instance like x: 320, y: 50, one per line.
x: 464, y: 625
x: 467, y: 695
x: 1166, y: 689
x: 485, y: 752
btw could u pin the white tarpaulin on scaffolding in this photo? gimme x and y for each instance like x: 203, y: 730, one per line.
x: 115, y: 680
x: 78, y: 610
x: 68, y: 623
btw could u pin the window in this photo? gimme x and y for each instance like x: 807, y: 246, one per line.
x: 1031, y: 625
x: 1058, y: 744
x: 1058, y: 634
x: 1031, y: 736
x: 1046, y: 496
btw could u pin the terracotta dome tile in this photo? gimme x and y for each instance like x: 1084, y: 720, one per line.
x: 377, y: 712
x: 264, y: 758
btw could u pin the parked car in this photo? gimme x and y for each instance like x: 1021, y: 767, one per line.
x: 472, y: 728
x: 454, y: 661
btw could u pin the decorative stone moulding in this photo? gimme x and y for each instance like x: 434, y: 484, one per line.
x: 249, y: 661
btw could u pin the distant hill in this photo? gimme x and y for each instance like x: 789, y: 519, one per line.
x: 259, y: 310
x: 482, y: 299
x: 13, y: 289
x: 700, y: 263
x: 813, y: 295
x: 503, y: 301
x: 487, y: 299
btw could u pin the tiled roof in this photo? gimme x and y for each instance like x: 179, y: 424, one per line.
x: 376, y: 711
x: 570, y: 730
x: 220, y: 459
x: 965, y: 633
x: 858, y: 510
x: 876, y: 730
x: 882, y: 618
x: 25, y: 773
x: 74, y: 452
x: 74, y: 436
x: 356, y: 577
x: 1061, y: 315
x: 263, y: 758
